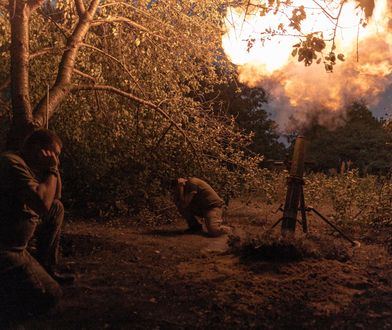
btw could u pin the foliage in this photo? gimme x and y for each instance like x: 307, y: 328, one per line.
x: 314, y: 46
x: 245, y: 104
x: 119, y: 152
x: 347, y: 199
x: 361, y: 141
x: 387, y: 125
x: 352, y: 199
x: 136, y: 153
x: 347, y: 194
x: 135, y: 112
x: 380, y: 209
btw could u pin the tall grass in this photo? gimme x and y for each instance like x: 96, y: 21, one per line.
x: 347, y: 198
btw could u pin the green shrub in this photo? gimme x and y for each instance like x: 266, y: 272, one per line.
x: 119, y: 161
x: 353, y: 199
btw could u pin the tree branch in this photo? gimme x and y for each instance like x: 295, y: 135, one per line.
x: 85, y: 75
x: 41, y: 52
x: 336, y: 24
x: 62, y: 86
x: 62, y: 30
x: 143, y: 12
x: 80, y: 7
x: 126, y: 20
x: 19, y: 52
x: 326, y: 13
x: 115, y: 60
x: 138, y: 100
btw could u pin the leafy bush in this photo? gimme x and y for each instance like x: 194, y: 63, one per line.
x: 353, y: 199
x: 346, y: 199
x: 119, y: 161
x: 380, y: 209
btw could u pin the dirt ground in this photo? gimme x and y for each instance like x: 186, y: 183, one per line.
x: 132, y: 277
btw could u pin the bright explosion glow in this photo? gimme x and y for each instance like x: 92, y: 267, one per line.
x: 364, y: 74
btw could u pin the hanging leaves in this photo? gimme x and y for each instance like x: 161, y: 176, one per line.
x: 367, y: 6
x: 298, y: 15
x: 307, y: 49
x: 341, y: 57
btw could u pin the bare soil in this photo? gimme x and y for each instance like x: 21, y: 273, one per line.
x: 133, y: 277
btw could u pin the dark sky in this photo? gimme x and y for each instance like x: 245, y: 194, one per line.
x: 384, y: 108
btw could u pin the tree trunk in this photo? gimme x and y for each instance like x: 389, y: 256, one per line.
x: 24, y: 120
x: 62, y: 86
x: 22, y: 112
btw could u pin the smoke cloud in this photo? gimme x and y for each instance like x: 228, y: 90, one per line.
x: 300, y: 95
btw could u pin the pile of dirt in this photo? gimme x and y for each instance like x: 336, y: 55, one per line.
x: 272, y: 247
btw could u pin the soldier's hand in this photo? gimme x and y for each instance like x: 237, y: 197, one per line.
x: 181, y: 181
x: 50, y: 159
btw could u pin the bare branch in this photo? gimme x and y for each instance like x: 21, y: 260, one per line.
x: 62, y: 30
x: 174, y: 29
x: 92, y: 9
x: 163, y: 136
x: 226, y: 160
x: 245, y: 15
x: 85, y: 75
x: 61, y: 87
x: 143, y: 12
x: 127, y: 21
x: 325, y: 11
x: 42, y: 51
x: 337, y: 23
x: 80, y: 7
x: 138, y: 100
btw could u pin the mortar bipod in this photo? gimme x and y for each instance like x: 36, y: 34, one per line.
x: 304, y: 222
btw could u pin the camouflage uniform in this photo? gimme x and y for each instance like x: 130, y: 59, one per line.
x: 206, y: 204
x: 25, y: 285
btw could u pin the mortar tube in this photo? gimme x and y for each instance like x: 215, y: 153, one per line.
x: 294, y: 186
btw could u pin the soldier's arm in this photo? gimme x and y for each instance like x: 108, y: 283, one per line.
x: 46, y: 192
x: 59, y: 187
x: 185, y: 197
x: 39, y: 196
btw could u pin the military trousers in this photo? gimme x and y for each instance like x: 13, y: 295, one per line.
x: 213, y: 220
x: 25, y: 284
